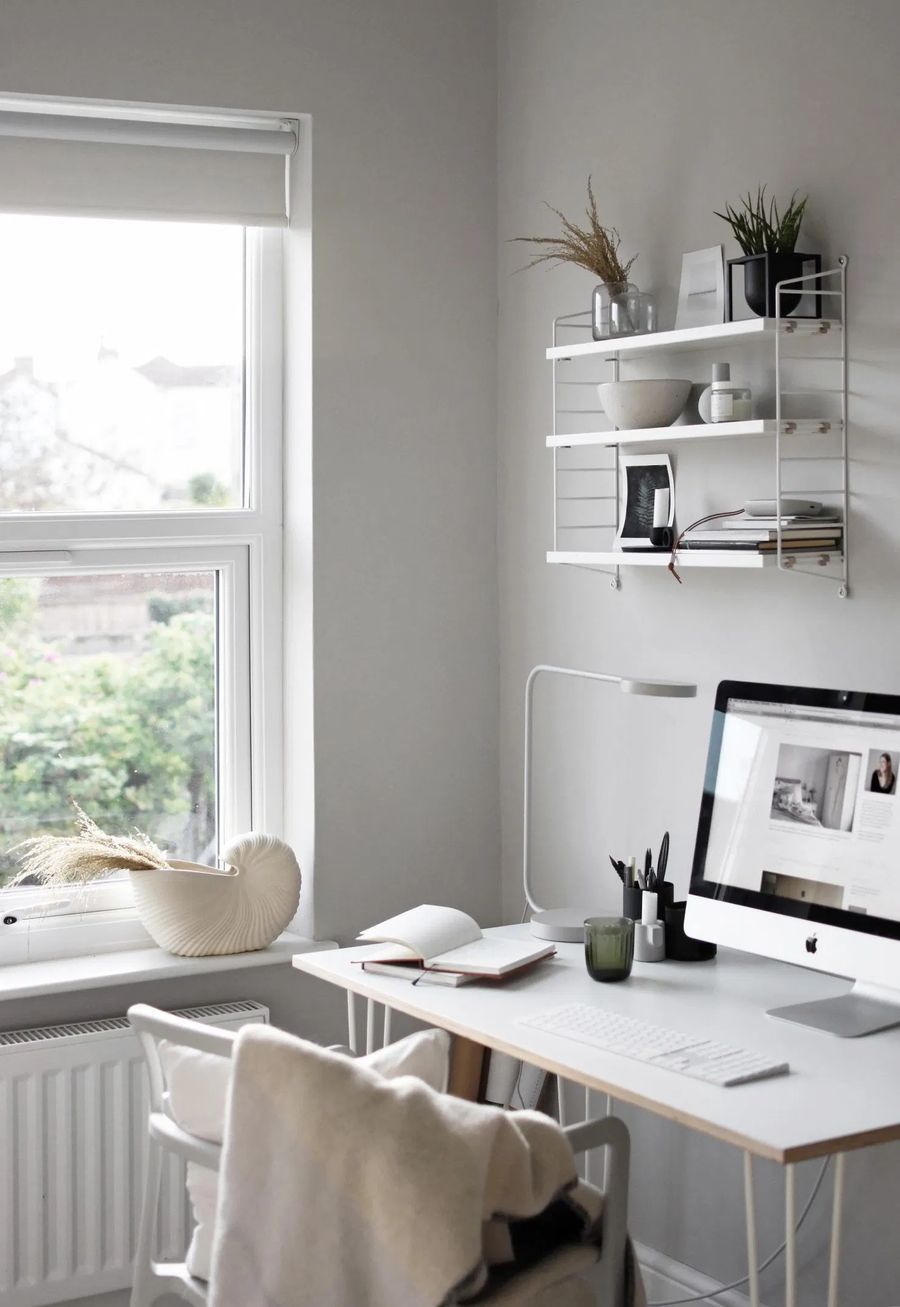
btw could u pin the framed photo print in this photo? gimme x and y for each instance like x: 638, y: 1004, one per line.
x: 640, y: 477
x: 701, y: 296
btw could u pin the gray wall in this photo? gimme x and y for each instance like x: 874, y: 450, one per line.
x: 674, y: 109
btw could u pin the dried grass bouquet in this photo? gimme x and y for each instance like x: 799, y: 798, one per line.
x: 75, y: 859
x: 593, y: 247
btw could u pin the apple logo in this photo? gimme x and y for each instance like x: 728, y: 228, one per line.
x: 811, y: 943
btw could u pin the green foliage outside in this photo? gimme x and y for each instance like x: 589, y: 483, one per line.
x: 204, y: 489
x: 130, y: 738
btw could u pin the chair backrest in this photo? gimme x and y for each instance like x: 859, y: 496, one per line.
x: 153, y: 1279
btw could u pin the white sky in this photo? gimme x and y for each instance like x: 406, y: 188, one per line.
x: 68, y: 285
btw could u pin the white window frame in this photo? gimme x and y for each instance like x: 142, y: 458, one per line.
x: 243, y: 545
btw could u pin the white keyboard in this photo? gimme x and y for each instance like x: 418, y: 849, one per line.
x: 689, y: 1055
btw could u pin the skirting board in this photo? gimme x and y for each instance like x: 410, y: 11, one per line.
x: 666, y: 1278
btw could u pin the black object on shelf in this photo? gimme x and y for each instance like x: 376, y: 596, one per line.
x: 679, y: 946
x: 762, y: 273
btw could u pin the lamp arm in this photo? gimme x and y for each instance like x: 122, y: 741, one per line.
x: 526, y: 806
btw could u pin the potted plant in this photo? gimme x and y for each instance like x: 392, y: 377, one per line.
x: 768, y: 238
x: 618, y: 307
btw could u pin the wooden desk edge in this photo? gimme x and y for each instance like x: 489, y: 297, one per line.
x: 802, y: 1153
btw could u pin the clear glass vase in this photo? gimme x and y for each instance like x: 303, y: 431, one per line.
x: 620, y: 309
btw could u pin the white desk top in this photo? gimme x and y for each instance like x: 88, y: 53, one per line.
x: 841, y: 1093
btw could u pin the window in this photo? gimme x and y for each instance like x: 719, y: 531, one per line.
x: 140, y: 517
x: 121, y: 365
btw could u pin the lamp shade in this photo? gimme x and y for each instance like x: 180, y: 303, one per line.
x: 658, y: 689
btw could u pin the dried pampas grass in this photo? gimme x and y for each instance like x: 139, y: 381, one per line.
x: 593, y: 247
x: 74, y: 859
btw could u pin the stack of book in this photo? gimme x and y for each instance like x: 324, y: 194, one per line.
x: 800, y: 534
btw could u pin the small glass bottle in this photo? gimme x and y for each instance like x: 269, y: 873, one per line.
x: 727, y: 403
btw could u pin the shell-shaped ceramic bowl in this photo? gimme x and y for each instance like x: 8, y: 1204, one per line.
x: 198, y: 911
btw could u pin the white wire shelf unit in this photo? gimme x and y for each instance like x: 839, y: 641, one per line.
x: 695, y: 431
x: 742, y: 559
x: 807, y: 431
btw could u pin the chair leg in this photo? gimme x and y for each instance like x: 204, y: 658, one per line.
x: 143, y: 1287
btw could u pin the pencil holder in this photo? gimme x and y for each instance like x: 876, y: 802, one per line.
x: 632, y: 902
x: 665, y: 893
x: 679, y: 946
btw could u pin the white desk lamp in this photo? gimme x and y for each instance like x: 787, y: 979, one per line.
x: 567, y: 924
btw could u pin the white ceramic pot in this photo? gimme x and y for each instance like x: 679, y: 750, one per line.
x: 198, y: 911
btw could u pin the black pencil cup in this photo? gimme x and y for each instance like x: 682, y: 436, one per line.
x: 631, y: 902
x: 632, y: 899
x: 679, y: 946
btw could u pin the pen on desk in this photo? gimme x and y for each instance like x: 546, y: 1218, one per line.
x: 630, y: 878
x: 618, y: 868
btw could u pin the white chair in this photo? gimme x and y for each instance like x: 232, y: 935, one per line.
x: 152, y: 1279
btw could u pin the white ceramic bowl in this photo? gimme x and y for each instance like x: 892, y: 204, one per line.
x: 633, y: 405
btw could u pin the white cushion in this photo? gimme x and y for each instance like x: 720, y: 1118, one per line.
x: 197, y: 1086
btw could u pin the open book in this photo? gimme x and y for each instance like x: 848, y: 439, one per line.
x: 445, y: 939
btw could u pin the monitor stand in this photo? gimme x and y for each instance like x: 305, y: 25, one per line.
x: 861, y: 1011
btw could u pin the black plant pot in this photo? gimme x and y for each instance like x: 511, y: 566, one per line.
x: 763, y: 272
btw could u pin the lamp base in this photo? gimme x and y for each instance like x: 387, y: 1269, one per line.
x: 564, y: 925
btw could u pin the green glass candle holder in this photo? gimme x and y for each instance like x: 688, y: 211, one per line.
x: 609, y: 948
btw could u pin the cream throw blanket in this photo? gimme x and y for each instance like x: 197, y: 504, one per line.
x: 342, y: 1189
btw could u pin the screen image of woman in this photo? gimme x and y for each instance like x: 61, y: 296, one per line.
x: 884, y: 777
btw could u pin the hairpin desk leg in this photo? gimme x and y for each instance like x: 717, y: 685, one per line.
x: 752, y: 1245
x: 386, y: 1037
x: 836, y: 1209
x: 561, y: 1101
x: 351, y: 1022
x: 790, y: 1237
x: 370, y: 1025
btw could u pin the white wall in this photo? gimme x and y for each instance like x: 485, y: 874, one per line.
x: 674, y: 109
x: 402, y: 97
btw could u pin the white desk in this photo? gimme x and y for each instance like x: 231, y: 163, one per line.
x: 840, y: 1094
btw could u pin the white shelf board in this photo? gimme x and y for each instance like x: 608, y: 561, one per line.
x: 732, y: 558
x: 696, y: 431
x: 698, y: 337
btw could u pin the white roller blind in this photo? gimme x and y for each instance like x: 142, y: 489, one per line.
x: 129, y: 164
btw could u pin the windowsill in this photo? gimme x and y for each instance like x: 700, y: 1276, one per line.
x: 92, y: 971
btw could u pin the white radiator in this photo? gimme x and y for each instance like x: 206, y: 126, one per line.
x: 73, y: 1139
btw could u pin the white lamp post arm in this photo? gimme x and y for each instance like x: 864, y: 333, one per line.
x: 526, y: 807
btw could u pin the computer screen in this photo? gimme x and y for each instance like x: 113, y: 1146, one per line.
x: 801, y: 806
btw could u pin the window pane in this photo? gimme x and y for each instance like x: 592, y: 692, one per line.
x: 107, y: 697
x: 121, y: 365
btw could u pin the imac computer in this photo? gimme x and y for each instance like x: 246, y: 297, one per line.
x: 798, y: 845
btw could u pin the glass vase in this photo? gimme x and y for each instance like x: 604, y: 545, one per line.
x: 620, y: 309
x: 625, y: 311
